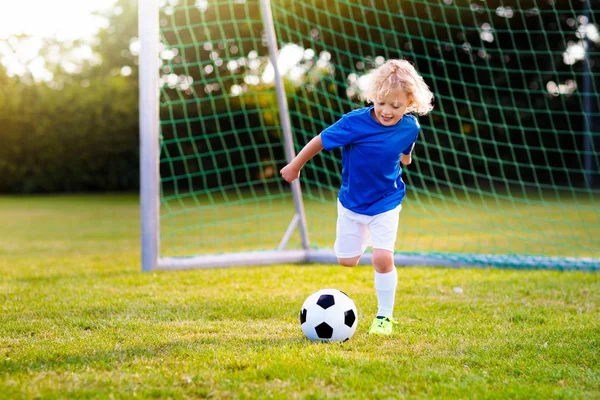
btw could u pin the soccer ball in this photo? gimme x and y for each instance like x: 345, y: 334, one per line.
x: 328, y: 315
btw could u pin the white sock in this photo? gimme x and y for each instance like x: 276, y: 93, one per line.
x: 385, y: 285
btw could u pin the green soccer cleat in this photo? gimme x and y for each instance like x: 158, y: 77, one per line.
x: 382, y: 326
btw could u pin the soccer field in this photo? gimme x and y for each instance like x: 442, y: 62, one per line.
x: 79, y: 320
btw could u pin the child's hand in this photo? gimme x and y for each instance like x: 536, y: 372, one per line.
x: 405, y: 159
x: 290, y: 173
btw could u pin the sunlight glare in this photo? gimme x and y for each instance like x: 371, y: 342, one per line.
x: 60, y: 19
x: 63, y: 20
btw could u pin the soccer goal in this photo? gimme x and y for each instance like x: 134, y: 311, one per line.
x: 504, y: 174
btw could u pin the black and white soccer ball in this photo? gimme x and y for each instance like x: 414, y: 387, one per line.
x: 328, y: 315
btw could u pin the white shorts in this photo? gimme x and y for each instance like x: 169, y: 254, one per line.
x: 355, y: 232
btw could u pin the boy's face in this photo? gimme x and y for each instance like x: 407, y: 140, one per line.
x: 389, y: 110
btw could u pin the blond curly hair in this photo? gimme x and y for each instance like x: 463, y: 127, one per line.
x: 401, y: 74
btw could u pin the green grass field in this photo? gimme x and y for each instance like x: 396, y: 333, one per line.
x: 79, y: 320
x: 551, y: 224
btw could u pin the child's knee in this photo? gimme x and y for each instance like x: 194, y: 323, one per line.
x: 349, y: 262
x: 383, y: 260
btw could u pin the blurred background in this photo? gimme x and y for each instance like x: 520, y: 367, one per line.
x: 68, y: 96
x: 69, y: 89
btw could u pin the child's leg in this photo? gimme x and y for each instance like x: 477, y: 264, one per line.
x: 349, y: 262
x: 384, y: 228
x: 383, y: 261
x: 386, y: 280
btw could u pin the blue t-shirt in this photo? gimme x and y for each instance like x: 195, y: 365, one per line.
x: 371, y: 172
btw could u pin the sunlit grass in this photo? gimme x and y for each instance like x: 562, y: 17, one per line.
x: 79, y: 320
x: 552, y: 225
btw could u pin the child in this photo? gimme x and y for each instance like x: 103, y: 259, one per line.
x: 374, y: 141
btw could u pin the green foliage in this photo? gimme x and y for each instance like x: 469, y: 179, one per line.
x: 491, y: 96
x: 78, y: 132
x: 80, y: 321
x: 114, y: 42
x: 76, y: 139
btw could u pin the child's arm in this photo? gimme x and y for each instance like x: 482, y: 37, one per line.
x: 407, y: 158
x: 291, y: 171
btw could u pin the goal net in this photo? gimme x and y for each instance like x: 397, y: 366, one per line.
x: 504, y: 173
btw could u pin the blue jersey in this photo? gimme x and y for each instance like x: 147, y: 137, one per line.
x: 371, y: 172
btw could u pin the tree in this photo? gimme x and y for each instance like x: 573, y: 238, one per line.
x: 77, y: 132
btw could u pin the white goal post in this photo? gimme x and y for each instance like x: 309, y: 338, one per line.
x: 303, y: 250
x: 149, y: 160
